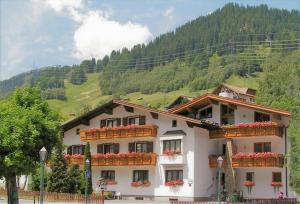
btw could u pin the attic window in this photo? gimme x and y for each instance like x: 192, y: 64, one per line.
x: 77, y: 131
x: 174, y: 123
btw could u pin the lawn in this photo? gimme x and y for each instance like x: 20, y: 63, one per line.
x: 88, y: 95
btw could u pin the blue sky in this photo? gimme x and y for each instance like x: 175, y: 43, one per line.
x: 37, y: 33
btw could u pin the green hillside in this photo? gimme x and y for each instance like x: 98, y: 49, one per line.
x: 88, y: 95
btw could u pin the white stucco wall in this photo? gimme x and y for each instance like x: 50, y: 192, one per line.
x: 196, y: 147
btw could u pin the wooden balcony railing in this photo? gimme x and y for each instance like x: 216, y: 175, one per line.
x: 119, y: 132
x: 213, y: 161
x: 122, y: 159
x: 258, y: 162
x: 277, y: 161
x: 237, y: 132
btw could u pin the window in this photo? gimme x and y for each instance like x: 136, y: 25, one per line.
x: 109, y: 122
x: 77, y: 131
x: 140, y: 175
x: 131, y: 121
x: 276, y: 177
x: 227, y: 115
x: 261, y: 117
x: 206, y: 113
x: 172, y: 175
x: 262, y: 147
x: 249, y: 176
x: 174, y: 145
x: 142, y: 146
x: 174, y: 123
x: 76, y: 149
x: 108, y: 148
x: 108, y: 175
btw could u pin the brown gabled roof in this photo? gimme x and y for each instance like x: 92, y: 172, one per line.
x: 207, y: 98
x: 240, y: 90
x: 84, y: 119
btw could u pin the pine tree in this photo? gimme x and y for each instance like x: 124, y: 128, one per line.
x: 87, y: 155
x: 74, y: 176
x: 58, y: 180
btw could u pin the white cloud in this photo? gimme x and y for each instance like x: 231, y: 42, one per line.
x: 169, y: 13
x: 61, y: 5
x: 97, y: 35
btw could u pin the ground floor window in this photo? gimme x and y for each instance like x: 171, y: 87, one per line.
x: 76, y: 149
x: 250, y: 176
x: 141, y: 176
x: 108, y: 175
x: 276, y: 177
x: 173, y: 175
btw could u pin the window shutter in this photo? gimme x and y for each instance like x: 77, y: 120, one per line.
x: 69, y: 150
x: 100, y: 148
x: 118, y: 121
x: 131, y: 147
x: 116, y: 148
x: 142, y: 120
x: 125, y: 121
x: 149, y: 147
x: 83, y: 148
x: 102, y: 123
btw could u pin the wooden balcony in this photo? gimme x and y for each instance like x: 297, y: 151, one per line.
x: 123, y: 159
x: 238, y: 132
x: 277, y: 161
x: 258, y: 162
x: 118, y: 132
x: 213, y: 161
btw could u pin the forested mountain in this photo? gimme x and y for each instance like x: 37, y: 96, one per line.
x: 234, y: 40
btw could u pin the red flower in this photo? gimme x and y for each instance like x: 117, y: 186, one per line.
x: 170, y: 152
x: 252, y: 125
x: 241, y: 155
x: 67, y: 156
x: 174, y: 183
x: 111, y: 182
x: 77, y: 156
x: 140, y: 184
x: 249, y: 183
x: 276, y: 184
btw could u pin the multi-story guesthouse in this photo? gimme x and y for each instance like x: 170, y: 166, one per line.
x: 145, y: 153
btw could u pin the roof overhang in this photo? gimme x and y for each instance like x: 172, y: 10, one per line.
x: 208, y: 98
x: 107, y: 108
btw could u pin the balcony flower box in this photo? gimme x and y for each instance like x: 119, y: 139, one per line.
x: 140, y: 184
x: 124, y: 159
x: 118, y: 132
x: 262, y: 159
x: 111, y: 182
x: 249, y: 185
x: 168, y: 152
x: 276, y: 184
x: 74, y: 159
x: 248, y: 130
x: 174, y: 183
